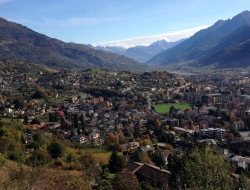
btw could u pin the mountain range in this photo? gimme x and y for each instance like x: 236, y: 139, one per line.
x: 140, y: 53
x: 18, y: 42
x: 224, y: 44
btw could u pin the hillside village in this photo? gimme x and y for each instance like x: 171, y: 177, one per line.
x: 98, y: 108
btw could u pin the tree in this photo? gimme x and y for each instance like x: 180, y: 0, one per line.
x: 175, y: 166
x: 55, y: 149
x: 63, y: 123
x: 26, y: 119
x: 76, y: 121
x: 51, y: 117
x: 36, y: 120
x: 243, y: 183
x: 136, y: 156
x: 116, y: 162
x: 158, y: 159
x: 18, y: 104
x: 39, y: 158
x: 171, y: 108
x: 55, y: 117
x: 237, y: 134
x: 112, y: 141
x: 137, y: 132
x: 37, y: 137
x: 126, y: 180
x: 204, y: 170
x: 145, y: 157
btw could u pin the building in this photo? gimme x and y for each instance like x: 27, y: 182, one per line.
x: 92, y: 136
x: 79, y: 139
x: 156, y: 176
x: 237, y: 126
x: 214, y: 133
x: 221, y: 133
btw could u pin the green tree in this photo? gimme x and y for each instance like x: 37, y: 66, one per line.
x: 243, y: 183
x: 26, y: 119
x: 76, y: 124
x: 158, y: 159
x: 56, y: 149
x: 136, y: 156
x: 18, y: 104
x: 37, y: 137
x: 3, y: 132
x: 204, y: 170
x: 116, y: 162
x: 36, y: 120
x: 175, y: 166
x: 171, y: 108
x: 39, y: 158
x: 237, y: 134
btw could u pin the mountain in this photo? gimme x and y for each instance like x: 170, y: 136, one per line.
x: 140, y: 53
x: 18, y: 42
x: 144, y: 53
x: 202, y: 43
x: 113, y: 49
x: 232, y: 51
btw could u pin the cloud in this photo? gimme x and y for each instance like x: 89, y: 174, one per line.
x: 147, y: 40
x: 78, y: 21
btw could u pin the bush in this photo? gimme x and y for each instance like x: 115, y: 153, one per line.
x: 56, y: 150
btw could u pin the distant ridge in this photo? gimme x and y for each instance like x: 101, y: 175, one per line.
x: 140, y: 53
x: 199, y: 48
x: 18, y: 42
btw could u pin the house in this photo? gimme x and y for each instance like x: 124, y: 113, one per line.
x: 240, y: 161
x: 79, y: 139
x: 156, y: 176
x: 176, y: 113
x: 98, y: 142
x: 236, y: 144
x: 8, y: 110
x: 148, y: 149
x: 92, y: 136
x: 190, y: 112
x: 133, y: 145
x: 129, y: 146
x: 219, y: 150
x: 52, y: 125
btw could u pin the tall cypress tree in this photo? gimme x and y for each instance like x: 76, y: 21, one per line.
x: 116, y: 162
x: 75, y: 121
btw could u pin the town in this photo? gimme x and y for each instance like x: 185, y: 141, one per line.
x: 147, y: 120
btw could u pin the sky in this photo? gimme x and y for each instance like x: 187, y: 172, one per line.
x: 124, y: 23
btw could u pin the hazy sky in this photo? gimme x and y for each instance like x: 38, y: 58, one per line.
x: 119, y: 22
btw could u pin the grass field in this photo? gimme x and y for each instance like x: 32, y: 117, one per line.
x: 164, y: 108
x: 101, y: 154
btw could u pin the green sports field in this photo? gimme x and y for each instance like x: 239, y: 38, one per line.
x: 164, y: 108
